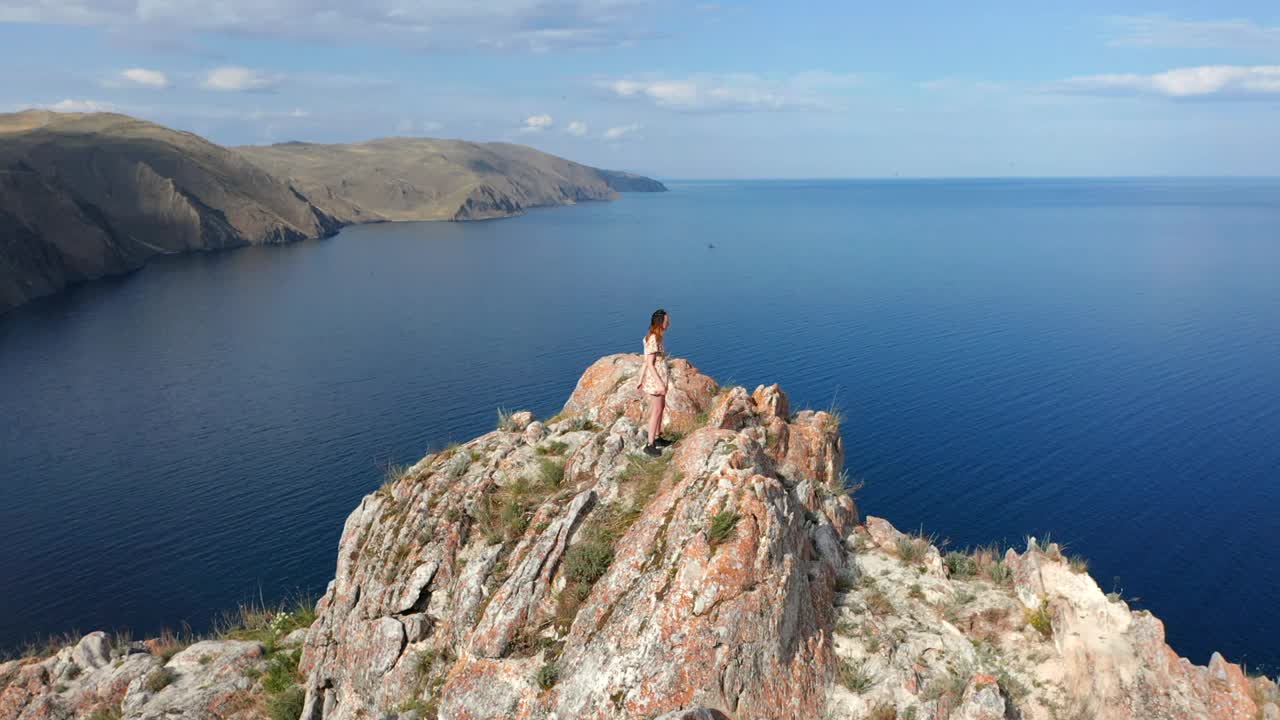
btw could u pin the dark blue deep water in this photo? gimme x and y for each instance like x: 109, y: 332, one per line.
x: 1099, y: 359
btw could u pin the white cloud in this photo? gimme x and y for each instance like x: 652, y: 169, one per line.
x: 81, y: 106
x: 737, y: 92
x: 577, y: 127
x: 138, y: 77
x: 69, y: 105
x: 1206, y: 81
x: 536, y: 123
x: 234, y: 78
x: 504, y: 25
x: 1161, y: 31
x: 617, y: 133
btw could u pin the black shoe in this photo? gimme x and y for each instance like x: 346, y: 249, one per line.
x: 652, y: 451
x: 663, y: 442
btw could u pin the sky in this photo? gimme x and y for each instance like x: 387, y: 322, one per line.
x: 688, y: 89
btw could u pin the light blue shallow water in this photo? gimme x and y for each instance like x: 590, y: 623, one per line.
x: 1095, y: 358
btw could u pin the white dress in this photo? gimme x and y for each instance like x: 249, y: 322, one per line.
x: 655, y: 384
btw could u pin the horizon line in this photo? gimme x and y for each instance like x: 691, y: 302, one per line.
x: 955, y: 177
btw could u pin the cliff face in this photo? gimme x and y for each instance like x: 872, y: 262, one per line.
x: 549, y: 570
x: 84, y: 196
x: 427, y: 179
x: 729, y: 578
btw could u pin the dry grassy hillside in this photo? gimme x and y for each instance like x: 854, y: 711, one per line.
x: 427, y: 179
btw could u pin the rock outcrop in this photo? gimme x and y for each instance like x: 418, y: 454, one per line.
x: 428, y: 179
x: 550, y: 570
x: 96, y: 679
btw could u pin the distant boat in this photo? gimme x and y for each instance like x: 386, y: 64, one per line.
x: 711, y: 246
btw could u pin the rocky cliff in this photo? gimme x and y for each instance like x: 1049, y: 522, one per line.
x: 83, y: 196
x: 426, y: 179
x: 549, y: 570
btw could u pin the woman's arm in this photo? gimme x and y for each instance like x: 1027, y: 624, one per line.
x: 644, y: 371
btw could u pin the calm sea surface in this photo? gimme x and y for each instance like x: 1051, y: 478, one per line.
x: 1098, y: 359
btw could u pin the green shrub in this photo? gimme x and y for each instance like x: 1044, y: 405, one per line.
x: 1078, y: 565
x: 287, y: 705
x: 960, y: 565
x: 722, y: 526
x: 282, y: 671
x: 587, y: 561
x: 999, y: 573
x: 551, y: 473
x: 909, y: 550
x: 504, y: 420
x: 547, y: 676
x: 158, y: 679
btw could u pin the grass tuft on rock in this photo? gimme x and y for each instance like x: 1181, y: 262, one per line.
x: 722, y: 526
x: 550, y: 473
x: 158, y: 679
x: 287, y: 705
x: 587, y: 561
x: 553, y: 448
x: 884, y: 711
x: 960, y: 565
x: 108, y: 712
x: 854, y: 676
x: 1041, y: 619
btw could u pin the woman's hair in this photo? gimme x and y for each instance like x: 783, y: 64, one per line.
x: 656, y: 322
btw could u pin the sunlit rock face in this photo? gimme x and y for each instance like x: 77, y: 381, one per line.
x: 549, y: 569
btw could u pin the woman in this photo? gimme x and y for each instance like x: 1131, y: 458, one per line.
x: 654, y: 376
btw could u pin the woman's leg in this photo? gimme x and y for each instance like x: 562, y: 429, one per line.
x: 656, y: 408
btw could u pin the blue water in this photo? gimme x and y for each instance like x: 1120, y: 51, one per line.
x: 1099, y: 359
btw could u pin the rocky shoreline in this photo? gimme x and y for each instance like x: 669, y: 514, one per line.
x: 548, y: 570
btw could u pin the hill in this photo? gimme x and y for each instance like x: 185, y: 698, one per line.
x: 427, y: 179
x: 83, y: 196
